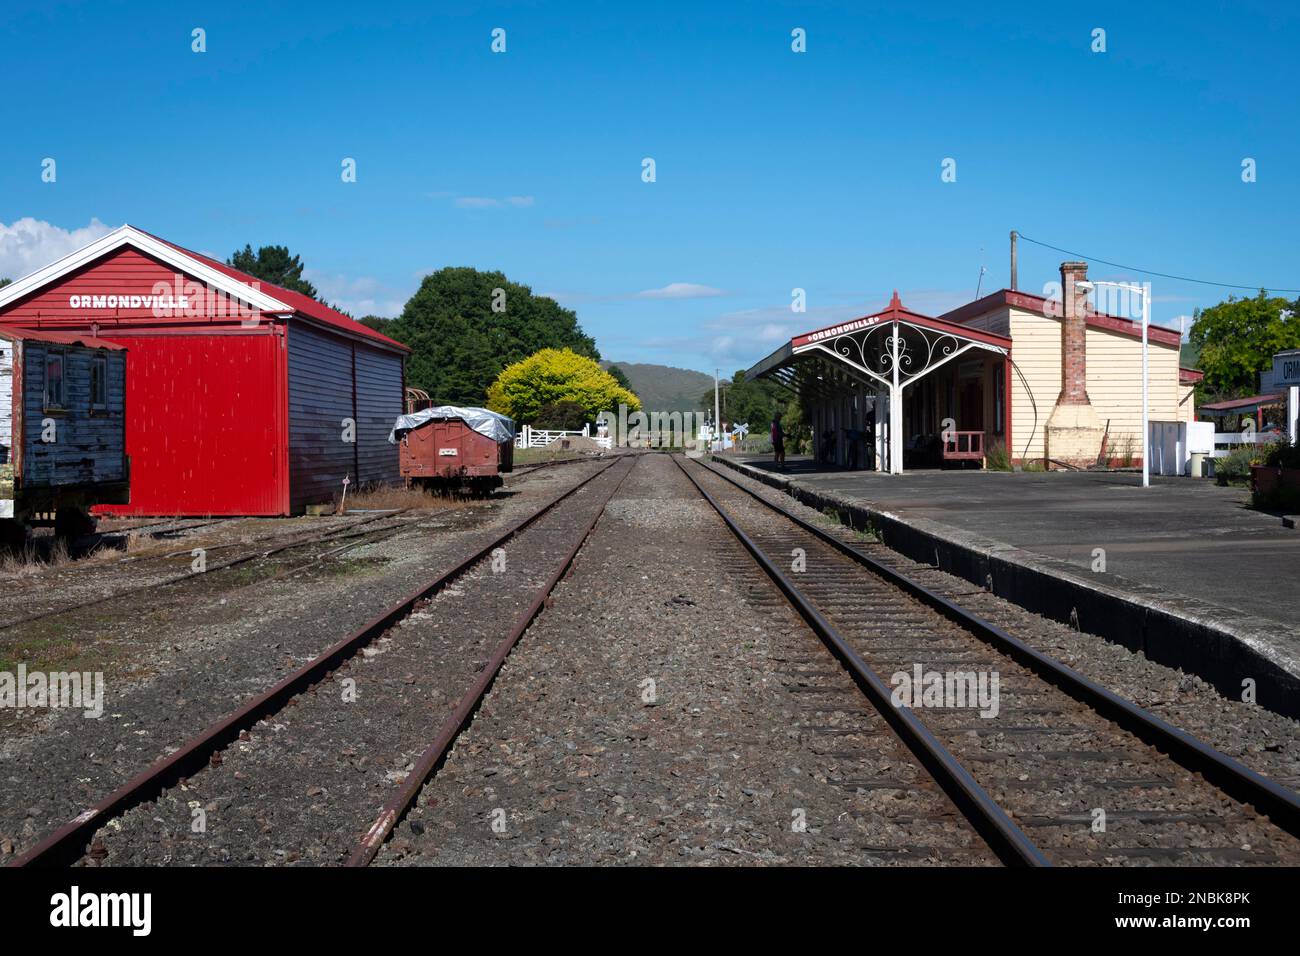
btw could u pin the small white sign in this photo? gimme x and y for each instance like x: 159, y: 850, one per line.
x: 447, y: 451
x: 1286, y: 369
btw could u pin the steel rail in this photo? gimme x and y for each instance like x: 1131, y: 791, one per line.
x: 528, y: 469
x: 451, y: 727
x: 288, y: 543
x: 1280, y: 804
x: 67, y: 844
x: 1003, y: 836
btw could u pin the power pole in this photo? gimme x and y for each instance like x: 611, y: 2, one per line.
x: 1014, y: 237
x: 717, y: 411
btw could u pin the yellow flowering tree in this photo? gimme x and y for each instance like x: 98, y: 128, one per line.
x: 551, y: 376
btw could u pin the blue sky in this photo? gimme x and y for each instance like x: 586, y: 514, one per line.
x: 775, y: 170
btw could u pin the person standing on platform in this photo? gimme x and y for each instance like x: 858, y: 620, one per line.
x: 778, y: 442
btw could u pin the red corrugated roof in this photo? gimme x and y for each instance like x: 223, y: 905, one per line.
x: 1035, y: 303
x: 301, y: 304
x: 896, y: 310
x: 1238, y: 403
x: 58, y: 338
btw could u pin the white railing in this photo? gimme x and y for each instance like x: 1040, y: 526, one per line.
x: 530, y: 437
x: 1225, y: 442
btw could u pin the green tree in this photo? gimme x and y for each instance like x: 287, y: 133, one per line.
x: 378, y: 323
x: 620, y: 376
x: 460, y: 343
x: 273, y: 264
x: 5, y: 282
x: 752, y: 403
x: 561, y: 416
x: 1236, y: 340
x: 554, y: 376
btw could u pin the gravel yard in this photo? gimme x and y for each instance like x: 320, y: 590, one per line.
x: 172, y: 669
x: 1262, y: 740
x: 669, y: 709
x: 666, y: 708
x: 303, y: 785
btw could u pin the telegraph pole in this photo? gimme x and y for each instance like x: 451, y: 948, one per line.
x: 1014, y: 237
x: 717, y: 411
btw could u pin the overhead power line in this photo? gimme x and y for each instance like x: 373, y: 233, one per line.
x: 1151, y: 272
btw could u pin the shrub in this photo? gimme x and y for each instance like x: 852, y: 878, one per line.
x: 1282, y: 454
x: 1234, y: 468
x: 552, y: 376
x: 996, y: 457
x: 565, y: 416
x: 1285, y: 500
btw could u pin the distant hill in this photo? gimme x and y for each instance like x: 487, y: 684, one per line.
x: 663, y: 388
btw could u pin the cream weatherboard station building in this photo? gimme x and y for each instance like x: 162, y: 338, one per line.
x: 1046, y: 378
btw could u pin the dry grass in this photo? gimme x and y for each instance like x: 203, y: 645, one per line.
x: 397, y: 498
x: 137, y: 541
x: 32, y: 559
x: 552, y: 452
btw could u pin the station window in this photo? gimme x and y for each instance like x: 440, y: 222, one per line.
x: 999, y: 398
x: 54, y: 387
x: 99, y: 383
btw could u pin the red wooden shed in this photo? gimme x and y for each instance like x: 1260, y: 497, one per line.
x: 243, y: 398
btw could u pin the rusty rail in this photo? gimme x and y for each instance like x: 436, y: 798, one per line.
x: 67, y: 844
x: 1234, y: 779
x: 455, y: 722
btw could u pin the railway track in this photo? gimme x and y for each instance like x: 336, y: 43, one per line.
x: 154, y: 528
x: 529, y: 469
x: 261, y: 550
x: 545, y: 543
x: 1061, y: 771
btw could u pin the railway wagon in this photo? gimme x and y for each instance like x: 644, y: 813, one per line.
x: 451, y: 448
x: 62, y: 430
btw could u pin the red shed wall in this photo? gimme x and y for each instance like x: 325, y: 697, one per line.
x: 206, y: 398
x: 124, y: 272
x: 205, y: 424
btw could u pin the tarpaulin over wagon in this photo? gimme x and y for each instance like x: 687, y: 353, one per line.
x: 487, y: 423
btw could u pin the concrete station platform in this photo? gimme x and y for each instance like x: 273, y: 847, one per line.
x: 1192, y: 577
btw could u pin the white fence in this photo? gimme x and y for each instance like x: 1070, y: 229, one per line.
x: 1227, y: 442
x: 1173, y: 443
x: 530, y: 437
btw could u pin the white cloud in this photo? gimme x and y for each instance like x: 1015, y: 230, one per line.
x: 357, y: 295
x: 31, y: 244
x: 680, y: 290
x: 487, y: 202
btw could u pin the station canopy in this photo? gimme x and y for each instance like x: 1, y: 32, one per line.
x: 886, y: 352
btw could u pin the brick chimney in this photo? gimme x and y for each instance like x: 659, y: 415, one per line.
x: 1074, y: 332
x: 1074, y: 434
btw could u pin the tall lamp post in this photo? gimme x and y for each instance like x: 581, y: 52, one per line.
x: 1144, y: 291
